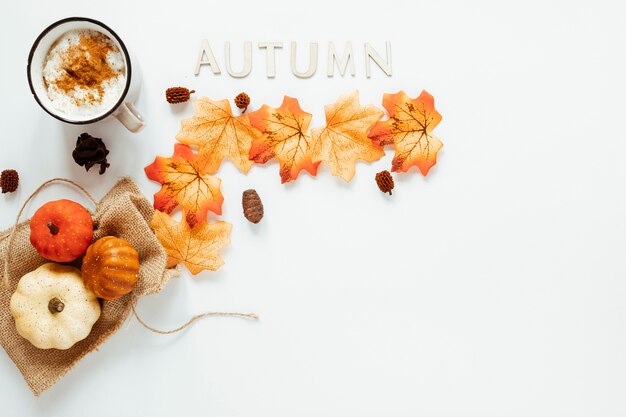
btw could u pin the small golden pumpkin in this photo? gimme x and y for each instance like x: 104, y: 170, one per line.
x: 53, y: 308
x: 110, y: 267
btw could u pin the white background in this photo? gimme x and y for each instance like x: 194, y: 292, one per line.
x: 493, y: 287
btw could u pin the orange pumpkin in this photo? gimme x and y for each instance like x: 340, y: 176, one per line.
x: 61, y: 230
x: 110, y: 267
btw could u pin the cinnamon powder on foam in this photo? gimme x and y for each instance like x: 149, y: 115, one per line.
x: 85, y: 66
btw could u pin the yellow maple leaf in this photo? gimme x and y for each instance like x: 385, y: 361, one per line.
x: 185, y: 184
x: 218, y: 134
x: 344, y: 138
x: 409, y: 128
x: 197, y: 248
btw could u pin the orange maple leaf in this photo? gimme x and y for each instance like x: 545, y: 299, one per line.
x: 197, y: 248
x: 185, y: 183
x: 409, y: 128
x: 344, y: 138
x: 219, y: 134
x: 285, y: 137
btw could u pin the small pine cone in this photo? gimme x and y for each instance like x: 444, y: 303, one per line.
x: 175, y: 95
x: 9, y: 180
x: 242, y: 101
x: 384, y: 181
x: 252, y: 206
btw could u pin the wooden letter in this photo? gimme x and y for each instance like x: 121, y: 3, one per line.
x: 371, y: 53
x: 247, y: 60
x: 312, y: 61
x: 342, y: 63
x: 205, y: 49
x: 271, y: 57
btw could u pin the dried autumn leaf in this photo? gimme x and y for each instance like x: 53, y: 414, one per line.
x: 197, y: 248
x: 285, y: 137
x: 344, y: 138
x: 185, y: 183
x: 409, y: 128
x: 219, y: 134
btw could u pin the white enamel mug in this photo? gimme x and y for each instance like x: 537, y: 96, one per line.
x: 123, y: 110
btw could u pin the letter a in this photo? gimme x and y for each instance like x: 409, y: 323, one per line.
x: 205, y: 49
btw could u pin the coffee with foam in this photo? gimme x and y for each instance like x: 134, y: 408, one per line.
x: 84, y: 73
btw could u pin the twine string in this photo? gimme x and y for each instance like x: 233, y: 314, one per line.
x: 189, y: 322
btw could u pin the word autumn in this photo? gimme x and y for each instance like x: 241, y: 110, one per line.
x: 342, y: 61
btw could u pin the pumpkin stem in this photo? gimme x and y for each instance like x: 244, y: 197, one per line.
x: 55, y: 305
x: 54, y: 229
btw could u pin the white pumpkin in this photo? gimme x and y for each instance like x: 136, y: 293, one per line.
x: 53, y: 308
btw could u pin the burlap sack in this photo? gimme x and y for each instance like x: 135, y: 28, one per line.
x: 123, y: 212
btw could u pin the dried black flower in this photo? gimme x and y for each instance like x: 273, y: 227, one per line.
x: 90, y: 151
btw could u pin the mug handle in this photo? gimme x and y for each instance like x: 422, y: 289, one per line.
x: 128, y: 115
